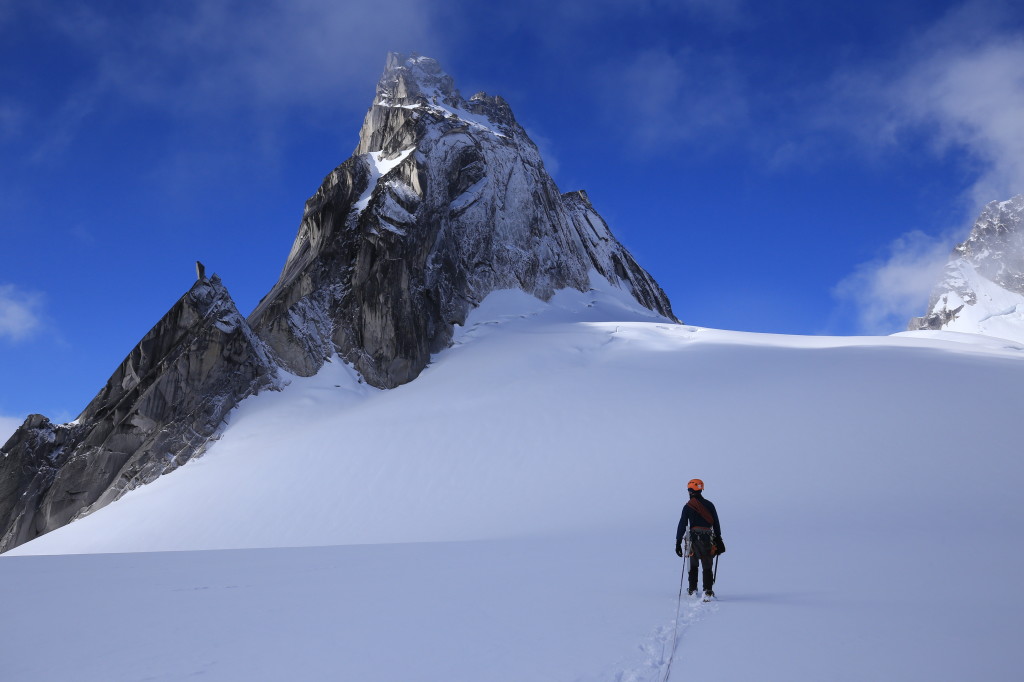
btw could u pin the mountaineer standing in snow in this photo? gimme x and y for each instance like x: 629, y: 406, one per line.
x: 705, y: 536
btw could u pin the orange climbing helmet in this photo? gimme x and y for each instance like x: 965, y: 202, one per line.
x: 695, y: 484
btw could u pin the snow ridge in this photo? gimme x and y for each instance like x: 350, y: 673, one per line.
x: 164, y: 404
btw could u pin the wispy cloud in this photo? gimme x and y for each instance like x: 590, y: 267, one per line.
x: 972, y: 96
x: 7, y: 9
x: 546, y: 148
x: 228, y: 59
x: 890, y: 290
x: 724, y: 11
x: 12, y: 118
x: 20, y: 312
x: 82, y: 235
x: 959, y: 88
x: 664, y: 96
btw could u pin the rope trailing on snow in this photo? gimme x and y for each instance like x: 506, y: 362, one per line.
x: 675, y: 628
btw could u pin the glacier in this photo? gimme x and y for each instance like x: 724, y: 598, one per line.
x: 510, y: 515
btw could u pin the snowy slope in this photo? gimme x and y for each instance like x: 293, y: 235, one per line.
x: 510, y: 515
x: 988, y: 308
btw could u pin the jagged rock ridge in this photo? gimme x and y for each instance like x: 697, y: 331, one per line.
x: 443, y: 201
x: 160, y: 408
x: 982, y: 290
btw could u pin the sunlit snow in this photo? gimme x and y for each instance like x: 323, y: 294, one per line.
x: 510, y: 515
x: 995, y: 312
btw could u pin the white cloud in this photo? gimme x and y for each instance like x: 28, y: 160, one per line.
x: 663, y: 97
x: 205, y: 60
x: 19, y: 312
x: 959, y: 88
x: 217, y: 53
x: 8, y: 425
x: 973, y: 97
x: 887, y: 292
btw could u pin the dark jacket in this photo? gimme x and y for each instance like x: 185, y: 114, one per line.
x: 695, y: 520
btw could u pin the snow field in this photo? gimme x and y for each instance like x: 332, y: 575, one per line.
x: 510, y: 515
x: 497, y: 610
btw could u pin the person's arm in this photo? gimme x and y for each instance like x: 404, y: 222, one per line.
x: 681, y: 529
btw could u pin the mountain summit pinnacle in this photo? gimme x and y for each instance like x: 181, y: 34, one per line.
x: 443, y: 201
x: 415, y: 85
x: 413, y: 80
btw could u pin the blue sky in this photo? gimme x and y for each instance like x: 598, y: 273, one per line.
x: 792, y: 167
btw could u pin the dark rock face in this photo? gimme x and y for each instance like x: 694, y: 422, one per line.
x: 444, y: 201
x: 937, y: 320
x: 160, y: 408
x: 609, y: 258
x: 31, y: 459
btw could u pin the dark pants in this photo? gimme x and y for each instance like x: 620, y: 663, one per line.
x: 700, y: 556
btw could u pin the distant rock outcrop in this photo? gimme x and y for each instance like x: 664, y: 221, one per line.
x: 982, y: 291
x: 166, y: 400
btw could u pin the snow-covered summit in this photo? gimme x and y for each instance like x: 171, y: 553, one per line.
x: 414, y: 80
x: 414, y: 86
x: 982, y: 291
x: 418, y: 82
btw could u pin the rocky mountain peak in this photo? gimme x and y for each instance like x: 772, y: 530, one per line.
x: 415, y: 92
x: 414, y: 80
x: 995, y: 246
x: 982, y: 290
x: 443, y: 201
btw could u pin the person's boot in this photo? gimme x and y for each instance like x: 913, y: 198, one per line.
x: 691, y: 590
x: 709, y: 594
